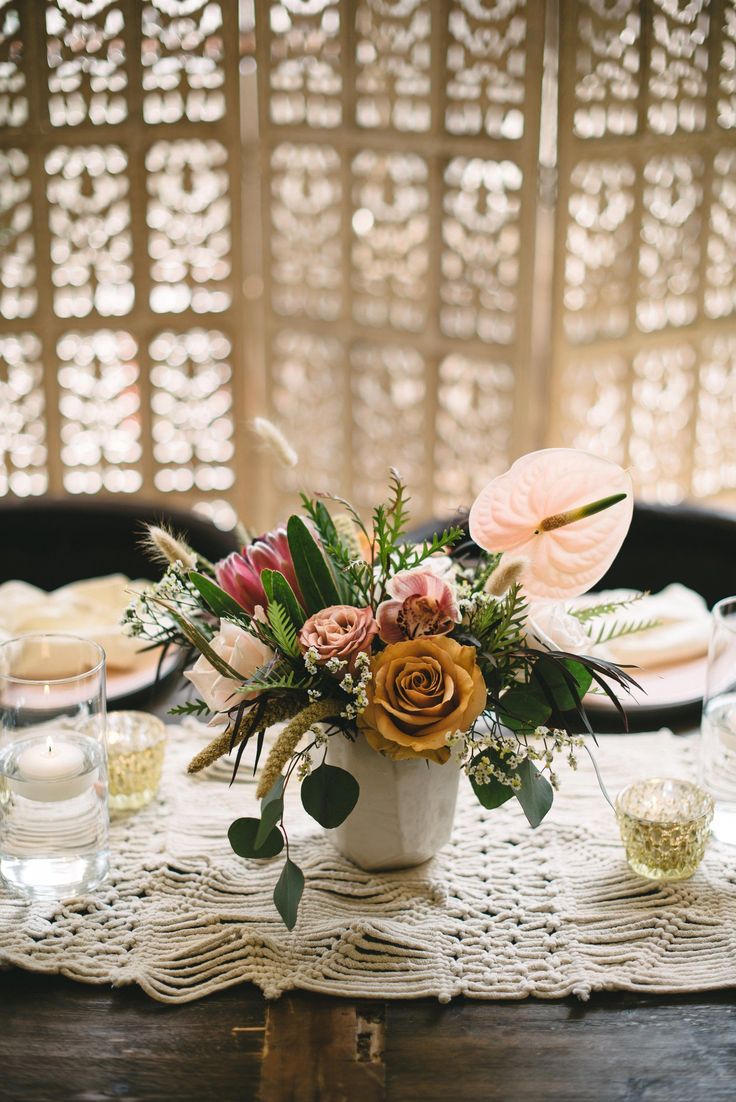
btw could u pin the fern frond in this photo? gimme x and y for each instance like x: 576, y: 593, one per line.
x: 190, y: 708
x: 605, y: 608
x: 283, y: 629
x: 618, y: 629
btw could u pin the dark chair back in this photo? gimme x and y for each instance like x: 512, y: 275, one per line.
x: 52, y: 542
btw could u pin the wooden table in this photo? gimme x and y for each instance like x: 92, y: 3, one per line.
x: 65, y: 1042
x: 62, y: 1041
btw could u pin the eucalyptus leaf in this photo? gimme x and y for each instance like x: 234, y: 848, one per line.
x: 242, y: 835
x: 329, y: 795
x: 494, y: 793
x: 271, y: 812
x: 288, y: 893
x: 536, y: 793
x: 523, y: 707
x: 310, y: 566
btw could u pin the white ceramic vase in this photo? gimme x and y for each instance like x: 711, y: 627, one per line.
x: 405, y: 810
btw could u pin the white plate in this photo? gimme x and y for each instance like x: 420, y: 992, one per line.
x: 122, y: 683
x: 678, y: 685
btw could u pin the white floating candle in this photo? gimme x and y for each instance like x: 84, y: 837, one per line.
x: 52, y: 769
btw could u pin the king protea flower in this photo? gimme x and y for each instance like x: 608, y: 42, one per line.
x: 240, y: 573
x: 422, y: 604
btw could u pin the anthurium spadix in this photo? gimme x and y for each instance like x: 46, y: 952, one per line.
x: 564, y: 512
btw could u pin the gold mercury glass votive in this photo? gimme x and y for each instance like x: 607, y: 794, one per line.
x: 136, y: 743
x: 665, y: 825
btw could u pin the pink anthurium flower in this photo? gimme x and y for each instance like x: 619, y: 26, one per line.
x: 565, y: 512
x: 423, y: 604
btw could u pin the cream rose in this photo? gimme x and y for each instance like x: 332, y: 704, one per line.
x: 421, y: 691
x: 243, y: 652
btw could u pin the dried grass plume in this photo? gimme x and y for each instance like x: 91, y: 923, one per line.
x: 273, y: 438
x: 164, y: 545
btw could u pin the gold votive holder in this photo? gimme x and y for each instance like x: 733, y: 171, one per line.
x: 665, y: 826
x: 136, y: 744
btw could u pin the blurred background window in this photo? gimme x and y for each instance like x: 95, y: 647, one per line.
x: 436, y: 233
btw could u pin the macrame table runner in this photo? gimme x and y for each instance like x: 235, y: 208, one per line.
x: 503, y: 912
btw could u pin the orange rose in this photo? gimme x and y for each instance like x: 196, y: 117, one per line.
x: 421, y: 691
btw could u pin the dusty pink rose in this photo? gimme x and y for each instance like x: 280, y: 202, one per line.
x: 339, y: 631
x: 423, y: 604
x: 243, y: 652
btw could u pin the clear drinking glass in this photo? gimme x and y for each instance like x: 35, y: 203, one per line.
x: 718, y: 739
x: 53, y: 765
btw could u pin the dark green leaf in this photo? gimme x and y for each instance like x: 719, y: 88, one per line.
x: 218, y: 601
x: 563, y: 681
x: 536, y: 793
x: 242, y: 835
x: 283, y: 594
x: 270, y: 816
x: 329, y: 795
x: 267, y: 582
x: 310, y: 566
x: 494, y: 793
x: 523, y: 707
x: 272, y: 808
x: 288, y: 893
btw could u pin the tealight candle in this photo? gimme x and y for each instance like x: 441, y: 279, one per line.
x: 136, y: 744
x: 52, y: 768
x: 665, y: 825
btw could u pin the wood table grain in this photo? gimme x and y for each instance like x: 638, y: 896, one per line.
x: 62, y: 1041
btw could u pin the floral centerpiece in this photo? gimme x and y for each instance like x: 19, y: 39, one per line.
x: 405, y: 663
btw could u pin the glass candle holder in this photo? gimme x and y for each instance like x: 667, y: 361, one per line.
x: 665, y: 825
x: 718, y: 737
x: 136, y: 744
x: 53, y: 765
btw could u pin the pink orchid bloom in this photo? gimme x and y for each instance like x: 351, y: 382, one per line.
x: 240, y: 573
x: 423, y: 604
x: 565, y: 512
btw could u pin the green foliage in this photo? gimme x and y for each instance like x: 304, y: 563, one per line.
x: 536, y: 793
x: 190, y: 708
x: 336, y: 550
x: 606, y: 608
x: 282, y: 592
x: 310, y: 566
x: 218, y: 601
x: 532, y: 789
x: 562, y: 682
x: 243, y: 833
x: 621, y: 627
x: 283, y: 629
x: 523, y: 707
x: 288, y: 893
x: 272, y: 810
x: 329, y: 795
x: 493, y: 793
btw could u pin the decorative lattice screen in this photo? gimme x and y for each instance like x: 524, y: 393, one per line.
x: 645, y: 301
x: 390, y: 303
x: 119, y: 279
x: 399, y: 159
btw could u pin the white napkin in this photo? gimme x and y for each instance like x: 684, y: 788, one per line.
x: 92, y: 609
x: 683, y: 631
